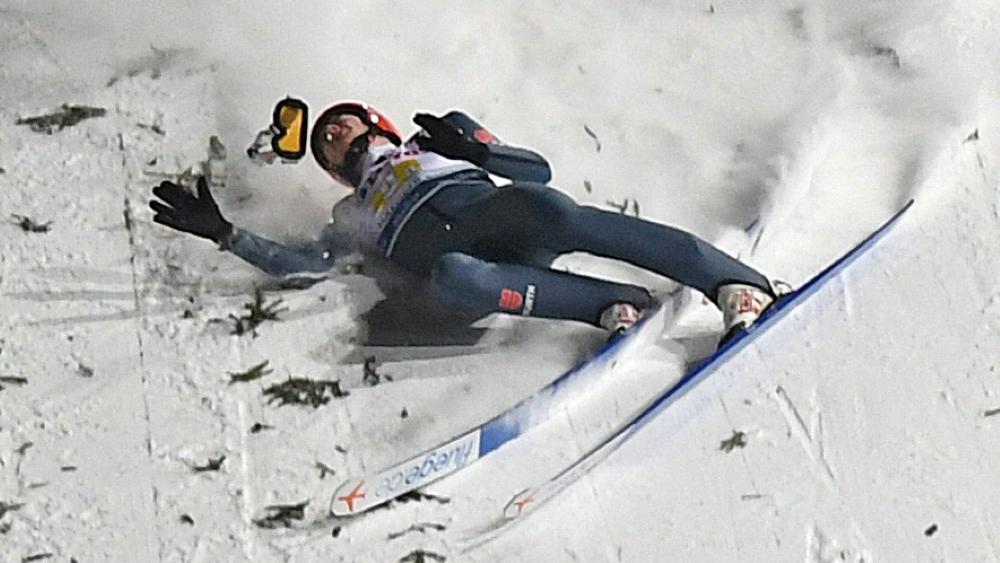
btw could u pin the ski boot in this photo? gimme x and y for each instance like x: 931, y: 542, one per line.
x: 619, y: 318
x: 743, y: 304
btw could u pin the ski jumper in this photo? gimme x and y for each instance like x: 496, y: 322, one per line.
x: 488, y: 249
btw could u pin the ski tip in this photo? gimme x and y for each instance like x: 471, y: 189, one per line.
x: 520, y: 503
x: 349, y: 498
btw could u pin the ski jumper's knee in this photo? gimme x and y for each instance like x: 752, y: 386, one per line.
x: 454, y: 268
x: 482, y: 287
x: 462, y: 281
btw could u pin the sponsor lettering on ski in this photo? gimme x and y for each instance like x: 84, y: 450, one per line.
x: 412, y: 474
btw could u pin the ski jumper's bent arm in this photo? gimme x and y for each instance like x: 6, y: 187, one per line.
x: 510, y: 162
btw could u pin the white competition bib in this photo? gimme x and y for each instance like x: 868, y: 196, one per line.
x: 391, y: 174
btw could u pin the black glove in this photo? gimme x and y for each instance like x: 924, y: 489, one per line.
x: 446, y: 140
x: 199, y: 216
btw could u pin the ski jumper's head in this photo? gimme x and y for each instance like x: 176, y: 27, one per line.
x: 342, y: 135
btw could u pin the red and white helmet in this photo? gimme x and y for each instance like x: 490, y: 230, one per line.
x: 377, y: 122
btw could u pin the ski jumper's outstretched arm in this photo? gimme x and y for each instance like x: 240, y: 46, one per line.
x: 514, y: 163
x: 336, y: 241
x: 197, y: 213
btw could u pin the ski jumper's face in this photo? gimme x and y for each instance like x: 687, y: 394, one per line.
x: 338, y: 134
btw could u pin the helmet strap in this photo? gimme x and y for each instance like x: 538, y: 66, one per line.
x: 351, y: 169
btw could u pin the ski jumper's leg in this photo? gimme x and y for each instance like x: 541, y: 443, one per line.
x: 538, y: 215
x: 483, y: 287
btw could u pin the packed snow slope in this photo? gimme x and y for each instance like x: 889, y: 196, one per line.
x: 862, y: 428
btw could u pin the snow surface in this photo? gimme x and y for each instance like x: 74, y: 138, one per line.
x: 869, y: 416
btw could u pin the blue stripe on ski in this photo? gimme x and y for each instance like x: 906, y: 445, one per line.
x: 513, y: 422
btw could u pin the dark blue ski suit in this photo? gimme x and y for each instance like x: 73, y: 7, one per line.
x: 488, y: 249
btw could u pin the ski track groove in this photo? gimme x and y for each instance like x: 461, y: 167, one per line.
x: 246, y: 499
x: 812, y: 549
x: 821, y: 446
x: 137, y: 303
x: 813, y: 445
